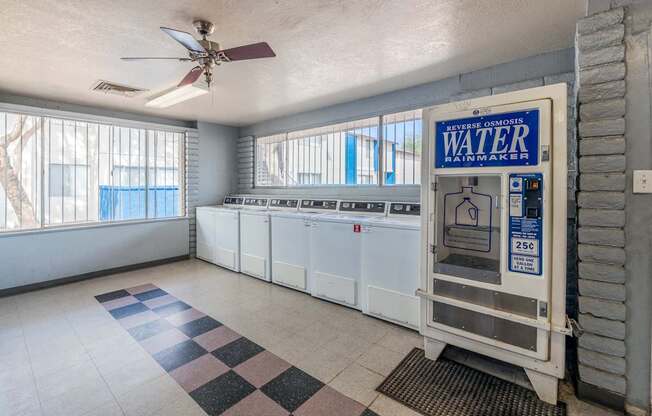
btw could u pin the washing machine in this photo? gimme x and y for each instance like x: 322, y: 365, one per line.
x: 336, y: 250
x: 291, y: 225
x: 218, y: 233
x: 390, y: 264
x: 255, y: 238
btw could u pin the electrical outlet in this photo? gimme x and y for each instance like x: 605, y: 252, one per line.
x: 643, y: 181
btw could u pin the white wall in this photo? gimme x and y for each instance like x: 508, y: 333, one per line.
x: 217, y: 161
x: 33, y: 257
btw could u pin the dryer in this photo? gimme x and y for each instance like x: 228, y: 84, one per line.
x: 336, y: 249
x: 390, y: 264
x: 255, y: 238
x: 218, y: 233
x: 291, y: 225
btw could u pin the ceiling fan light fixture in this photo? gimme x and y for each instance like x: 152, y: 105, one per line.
x: 177, y: 95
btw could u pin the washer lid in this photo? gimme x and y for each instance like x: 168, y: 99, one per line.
x: 404, y: 222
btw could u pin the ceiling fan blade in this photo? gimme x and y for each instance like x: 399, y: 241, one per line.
x: 144, y: 58
x: 252, y: 51
x: 186, y: 39
x: 191, y: 76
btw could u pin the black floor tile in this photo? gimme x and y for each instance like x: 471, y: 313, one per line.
x: 149, y: 329
x: 179, y: 355
x: 155, y: 293
x: 105, y: 297
x: 368, y: 412
x: 292, y: 388
x: 237, y: 351
x: 128, y: 310
x: 222, y: 393
x: 171, y: 309
x: 199, y: 326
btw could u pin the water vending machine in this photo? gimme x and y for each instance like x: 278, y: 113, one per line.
x: 494, y: 231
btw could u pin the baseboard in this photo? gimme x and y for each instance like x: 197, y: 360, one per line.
x: 606, y: 398
x: 85, y: 276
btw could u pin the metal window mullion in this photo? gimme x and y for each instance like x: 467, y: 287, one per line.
x: 369, y: 156
x: 20, y: 172
x: 63, y: 145
x: 49, y: 169
x: 381, y: 155
x: 328, y: 164
x: 165, y: 174
x: 287, y: 159
x: 146, y: 173
x: 122, y: 204
x: 99, y: 157
x: 74, y: 173
x: 42, y: 180
x: 402, y: 146
x: 129, y: 173
x: 138, y: 167
x: 174, y: 158
x: 414, y: 150
x: 6, y: 169
x: 86, y: 170
x: 156, y: 136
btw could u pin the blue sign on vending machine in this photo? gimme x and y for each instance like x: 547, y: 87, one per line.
x: 507, y: 139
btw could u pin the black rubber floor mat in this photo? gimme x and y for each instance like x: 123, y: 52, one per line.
x: 446, y: 388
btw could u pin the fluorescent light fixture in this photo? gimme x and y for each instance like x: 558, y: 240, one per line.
x: 177, y: 95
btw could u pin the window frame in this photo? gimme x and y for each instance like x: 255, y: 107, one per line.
x: 43, y: 113
x: 379, y: 155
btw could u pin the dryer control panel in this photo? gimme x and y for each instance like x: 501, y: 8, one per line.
x: 283, y: 203
x: 405, y: 208
x: 363, y: 207
x: 318, y: 204
x: 233, y: 200
x: 256, y: 202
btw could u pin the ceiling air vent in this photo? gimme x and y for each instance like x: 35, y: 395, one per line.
x: 108, y: 87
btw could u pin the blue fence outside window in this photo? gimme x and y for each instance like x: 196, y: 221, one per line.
x: 126, y: 203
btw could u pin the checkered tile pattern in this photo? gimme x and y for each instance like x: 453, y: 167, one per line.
x: 224, y: 372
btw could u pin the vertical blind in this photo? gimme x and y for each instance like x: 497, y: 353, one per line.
x: 56, y: 171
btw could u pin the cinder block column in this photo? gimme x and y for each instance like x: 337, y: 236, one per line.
x: 601, y: 200
x: 192, y: 186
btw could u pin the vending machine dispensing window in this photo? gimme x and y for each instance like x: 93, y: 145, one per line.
x: 492, y: 205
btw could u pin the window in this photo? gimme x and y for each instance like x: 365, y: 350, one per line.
x: 344, y: 154
x: 402, y: 148
x: 57, y: 171
x: 20, y: 166
x: 270, y: 160
x: 341, y: 154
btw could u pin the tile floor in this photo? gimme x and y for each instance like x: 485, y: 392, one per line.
x: 224, y: 372
x: 62, y: 353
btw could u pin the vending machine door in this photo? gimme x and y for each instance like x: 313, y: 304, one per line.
x: 489, y: 270
x: 467, y: 233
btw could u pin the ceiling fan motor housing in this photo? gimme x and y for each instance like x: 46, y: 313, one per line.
x: 203, y: 27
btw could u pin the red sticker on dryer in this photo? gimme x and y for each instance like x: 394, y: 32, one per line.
x: 356, y: 228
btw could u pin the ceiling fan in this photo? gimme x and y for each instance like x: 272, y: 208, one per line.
x: 207, y: 54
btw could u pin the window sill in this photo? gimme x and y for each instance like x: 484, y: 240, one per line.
x: 366, y: 186
x: 86, y: 226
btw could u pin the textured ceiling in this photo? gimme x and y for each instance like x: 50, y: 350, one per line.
x: 328, y: 51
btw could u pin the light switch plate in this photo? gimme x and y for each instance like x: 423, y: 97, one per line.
x: 643, y: 181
